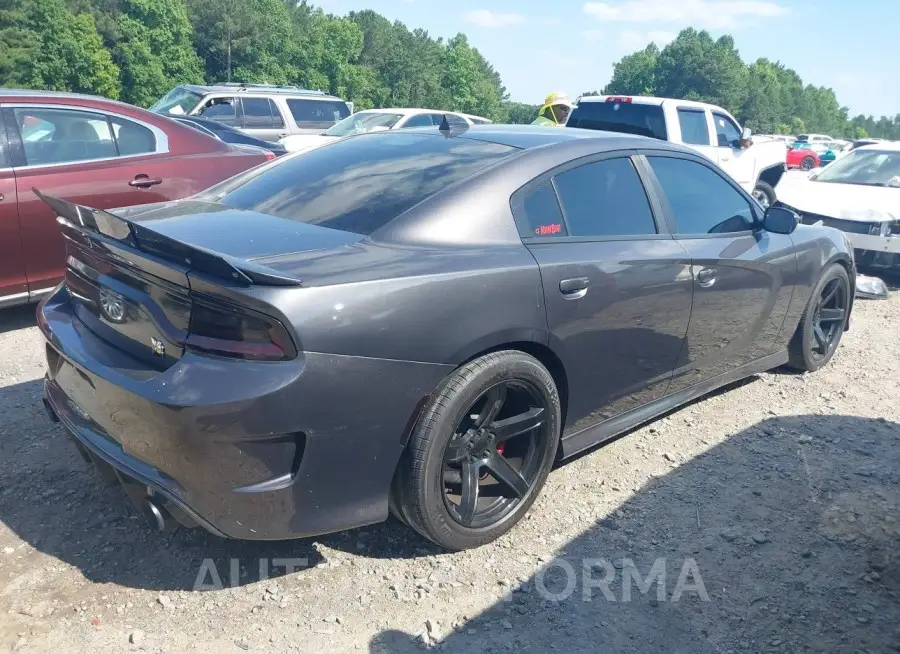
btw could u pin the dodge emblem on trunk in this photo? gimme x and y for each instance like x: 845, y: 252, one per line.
x: 159, y: 348
x: 112, y: 305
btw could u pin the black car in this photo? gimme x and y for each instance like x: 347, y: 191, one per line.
x: 420, y: 321
x: 229, y: 134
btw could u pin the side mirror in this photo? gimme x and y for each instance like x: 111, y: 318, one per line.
x: 746, y: 134
x: 779, y: 220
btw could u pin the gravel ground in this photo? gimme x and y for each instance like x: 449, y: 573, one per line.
x: 768, y: 515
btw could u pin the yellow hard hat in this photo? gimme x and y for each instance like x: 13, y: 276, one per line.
x: 557, y: 98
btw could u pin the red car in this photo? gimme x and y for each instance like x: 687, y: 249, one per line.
x: 92, y: 151
x: 802, y: 158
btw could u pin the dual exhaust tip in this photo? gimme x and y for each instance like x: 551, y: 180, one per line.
x: 157, y: 517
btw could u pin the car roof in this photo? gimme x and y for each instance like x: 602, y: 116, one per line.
x: 649, y: 99
x: 19, y: 94
x: 83, y: 100
x: 886, y: 146
x: 532, y: 136
x: 411, y: 111
x: 200, y: 120
x: 405, y: 111
x: 262, y: 89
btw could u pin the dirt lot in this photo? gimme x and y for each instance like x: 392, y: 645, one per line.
x: 772, y: 509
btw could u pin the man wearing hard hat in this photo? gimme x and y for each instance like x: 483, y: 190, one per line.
x: 555, y: 110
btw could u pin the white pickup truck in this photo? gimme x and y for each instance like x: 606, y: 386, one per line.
x: 708, y: 129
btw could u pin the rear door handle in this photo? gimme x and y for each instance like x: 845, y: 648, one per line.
x: 574, y: 288
x: 707, y: 277
x: 144, y: 181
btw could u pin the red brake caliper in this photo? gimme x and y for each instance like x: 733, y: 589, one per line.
x: 501, y: 447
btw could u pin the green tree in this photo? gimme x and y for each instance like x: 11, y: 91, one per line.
x: 520, y: 113
x: 473, y: 86
x: 43, y: 45
x: 763, y: 107
x: 151, y: 43
x: 635, y: 74
x: 245, y: 40
x: 695, y: 67
x: 766, y: 96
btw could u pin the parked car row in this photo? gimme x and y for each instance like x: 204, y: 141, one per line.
x: 264, y: 111
x: 376, y: 120
x: 296, y: 119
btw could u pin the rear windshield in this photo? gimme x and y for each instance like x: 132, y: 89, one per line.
x: 177, y: 101
x: 628, y: 118
x: 357, y: 184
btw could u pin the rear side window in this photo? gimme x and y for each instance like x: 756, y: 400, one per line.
x: 702, y: 202
x: 132, y: 138
x: 257, y: 113
x: 421, y: 120
x: 694, y: 129
x: 605, y: 198
x: 358, y: 184
x: 317, y: 113
x: 625, y: 117
x: 540, y: 209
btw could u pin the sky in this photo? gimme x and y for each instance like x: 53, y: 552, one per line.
x: 571, y: 45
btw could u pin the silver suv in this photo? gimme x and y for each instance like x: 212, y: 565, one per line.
x: 266, y: 112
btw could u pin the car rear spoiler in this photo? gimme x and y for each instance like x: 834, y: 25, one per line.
x: 88, y: 220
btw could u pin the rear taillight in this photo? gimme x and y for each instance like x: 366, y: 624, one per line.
x: 269, y: 155
x: 238, y: 333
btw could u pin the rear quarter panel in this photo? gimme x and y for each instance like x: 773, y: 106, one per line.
x: 410, y: 303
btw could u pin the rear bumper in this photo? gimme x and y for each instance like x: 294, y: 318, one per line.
x: 247, y: 450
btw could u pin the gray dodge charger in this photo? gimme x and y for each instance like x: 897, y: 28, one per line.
x: 419, y: 322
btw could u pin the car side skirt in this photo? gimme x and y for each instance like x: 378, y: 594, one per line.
x: 604, y: 431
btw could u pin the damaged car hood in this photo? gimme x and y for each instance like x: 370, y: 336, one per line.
x: 844, y: 201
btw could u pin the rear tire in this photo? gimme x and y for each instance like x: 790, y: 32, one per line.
x: 807, y: 164
x: 822, y: 325
x: 450, y: 455
x: 764, y: 194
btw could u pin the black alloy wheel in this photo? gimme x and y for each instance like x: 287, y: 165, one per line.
x: 824, y: 321
x: 493, y: 460
x: 480, y: 451
x: 829, y: 316
x: 807, y: 164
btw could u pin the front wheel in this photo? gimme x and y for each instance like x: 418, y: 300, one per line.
x: 480, y: 452
x: 822, y: 325
x: 764, y: 194
x: 807, y: 164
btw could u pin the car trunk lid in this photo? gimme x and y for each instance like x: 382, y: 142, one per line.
x: 129, y: 274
